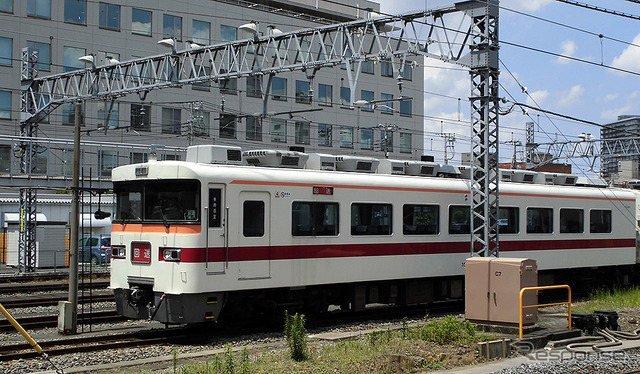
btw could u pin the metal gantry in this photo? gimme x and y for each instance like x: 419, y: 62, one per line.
x: 469, y: 41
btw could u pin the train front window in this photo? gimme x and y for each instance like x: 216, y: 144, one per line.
x: 166, y: 201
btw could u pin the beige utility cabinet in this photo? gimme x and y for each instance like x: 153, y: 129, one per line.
x: 492, y: 289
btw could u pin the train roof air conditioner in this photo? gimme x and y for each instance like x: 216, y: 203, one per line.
x: 449, y: 171
x: 422, y: 168
x: 274, y: 158
x: 214, y: 154
x: 391, y: 167
x: 565, y: 179
x: 518, y: 176
x: 320, y: 161
x: 357, y: 164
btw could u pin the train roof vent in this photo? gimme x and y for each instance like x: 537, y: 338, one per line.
x: 449, y: 171
x: 565, y: 179
x: 518, y: 176
x: 214, y: 154
x: 357, y: 164
x: 274, y: 158
x: 320, y: 161
x: 391, y: 167
x: 422, y: 168
x: 465, y: 171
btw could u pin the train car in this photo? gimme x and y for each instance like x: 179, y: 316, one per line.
x: 220, y: 237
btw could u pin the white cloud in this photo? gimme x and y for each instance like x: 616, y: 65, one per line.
x: 444, y: 83
x: 611, y: 97
x: 568, y: 48
x: 629, y: 59
x: 530, y: 5
x: 612, y: 114
x: 572, y: 96
x: 536, y: 98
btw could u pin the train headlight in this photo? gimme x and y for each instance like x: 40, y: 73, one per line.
x: 170, y: 254
x: 118, y: 251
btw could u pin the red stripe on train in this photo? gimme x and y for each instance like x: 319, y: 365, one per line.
x: 299, y: 252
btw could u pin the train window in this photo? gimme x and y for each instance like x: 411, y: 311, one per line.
x: 166, y: 201
x: 215, y: 207
x: 571, y: 220
x: 539, y: 220
x: 253, y: 218
x: 600, y: 221
x: 508, y: 221
x: 420, y: 219
x: 314, y: 219
x: 370, y: 219
x: 459, y: 219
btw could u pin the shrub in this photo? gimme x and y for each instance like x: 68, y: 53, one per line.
x: 296, y: 335
x: 447, y: 330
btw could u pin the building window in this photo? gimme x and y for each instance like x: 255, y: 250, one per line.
x: 325, y: 94
x: 108, y: 115
x: 459, y: 218
x: 368, y: 67
x: 105, y: 56
x: 346, y: 137
x: 75, y: 11
x: 228, y: 33
x: 228, y: 85
x: 69, y: 113
x: 201, y: 122
x: 405, y: 142
x: 171, y: 26
x: 6, y: 51
x: 303, y: 92
x: 6, y: 6
x: 44, y: 54
x: 141, y: 21
x: 39, y: 8
x: 571, y: 221
x: 109, y: 16
x: 420, y: 219
x: 253, y: 218
x: 171, y: 121
x: 204, y: 85
x: 345, y: 96
x: 368, y: 96
x: 600, y: 221
x: 254, y: 86
x: 279, y: 88
x: 278, y: 130
x: 138, y: 157
x: 386, y: 68
x: 303, y: 132
x: 254, y: 128
x: 370, y: 219
x: 141, y: 117
x: 366, y: 139
x: 407, y: 73
x: 387, y: 106
x: 201, y: 32
x: 5, y: 104
x: 5, y: 158
x: 324, y: 134
x: 508, y: 221
x: 228, y: 126
x: 405, y: 107
x: 539, y: 220
x: 41, y: 163
x: 107, y: 161
x: 70, y: 58
x: 314, y: 219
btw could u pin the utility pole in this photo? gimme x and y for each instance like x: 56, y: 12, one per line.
x: 449, y: 143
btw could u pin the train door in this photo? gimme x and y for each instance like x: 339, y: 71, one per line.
x: 217, y: 237
x: 254, y: 239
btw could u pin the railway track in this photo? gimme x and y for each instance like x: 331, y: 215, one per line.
x: 39, y: 322
x: 30, y: 302
x: 49, y: 286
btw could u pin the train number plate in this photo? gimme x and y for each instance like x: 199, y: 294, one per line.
x: 141, y: 253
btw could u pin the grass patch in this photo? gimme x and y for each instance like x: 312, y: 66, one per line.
x: 607, y: 300
x: 438, y: 343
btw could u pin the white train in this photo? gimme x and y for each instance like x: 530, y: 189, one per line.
x: 220, y: 236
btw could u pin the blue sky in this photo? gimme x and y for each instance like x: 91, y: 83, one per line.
x: 569, y: 87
